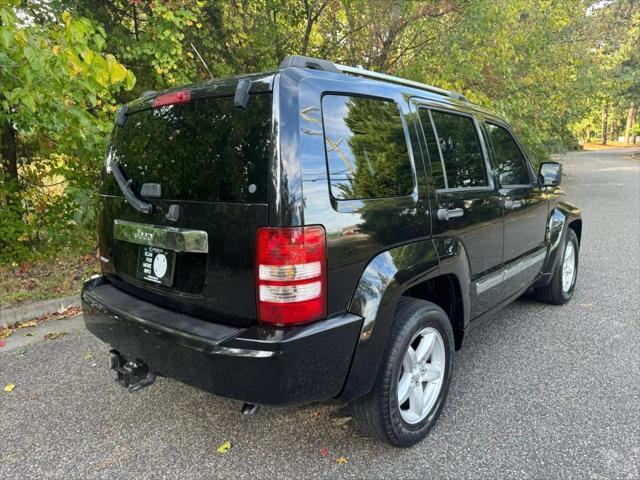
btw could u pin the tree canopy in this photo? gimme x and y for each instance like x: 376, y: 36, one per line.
x: 559, y: 71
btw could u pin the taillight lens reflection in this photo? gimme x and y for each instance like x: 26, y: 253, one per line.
x: 291, y: 275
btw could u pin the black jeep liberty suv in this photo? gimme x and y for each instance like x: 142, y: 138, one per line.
x: 318, y: 232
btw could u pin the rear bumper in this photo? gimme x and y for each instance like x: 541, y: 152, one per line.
x: 263, y: 365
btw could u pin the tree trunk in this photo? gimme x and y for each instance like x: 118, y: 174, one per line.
x: 605, y: 123
x: 312, y: 17
x: 136, y: 29
x: 307, y: 35
x: 612, y: 128
x: 634, y: 119
x: 9, y: 151
x: 627, y: 130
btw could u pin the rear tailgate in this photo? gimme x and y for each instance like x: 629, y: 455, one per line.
x: 211, y: 160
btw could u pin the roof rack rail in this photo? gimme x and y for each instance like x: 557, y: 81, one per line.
x: 308, y: 62
x: 327, y: 66
x: 402, y: 81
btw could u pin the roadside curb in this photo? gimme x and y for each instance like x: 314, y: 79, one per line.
x: 37, y: 309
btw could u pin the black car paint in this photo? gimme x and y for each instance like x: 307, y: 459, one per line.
x: 264, y: 365
x: 229, y: 273
x: 371, y: 264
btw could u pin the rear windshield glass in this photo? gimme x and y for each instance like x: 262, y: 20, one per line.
x: 204, y: 150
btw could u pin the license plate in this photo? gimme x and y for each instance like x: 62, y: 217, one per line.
x: 156, y: 265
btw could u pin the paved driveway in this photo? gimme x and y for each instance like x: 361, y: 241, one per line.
x: 538, y: 391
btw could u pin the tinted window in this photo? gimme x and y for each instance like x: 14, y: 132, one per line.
x: 461, y: 152
x: 366, y: 148
x: 437, y: 171
x: 510, y: 163
x: 202, y: 150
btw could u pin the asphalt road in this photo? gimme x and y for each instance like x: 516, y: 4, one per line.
x: 538, y: 391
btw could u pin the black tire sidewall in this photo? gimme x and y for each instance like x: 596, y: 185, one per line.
x: 431, y: 316
x: 571, y: 238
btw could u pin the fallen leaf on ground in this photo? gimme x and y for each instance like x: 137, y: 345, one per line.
x: 15, y: 455
x: 59, y: 315
x: 2, y: 343
x: 54, y: 335
x: 342, y: 421
x: 324, y: 452
x: 28, y: 334
x: 68, y: 312
x: 10, y: 387
x: 30, y: 323
x: 316, y: 413
x: 88, y: 356
x: 341, y: 460
x: 224, y: 448
x: 111, y: 460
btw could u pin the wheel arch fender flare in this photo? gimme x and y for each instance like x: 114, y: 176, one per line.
x: 387, y: 276
x: 561, y: 217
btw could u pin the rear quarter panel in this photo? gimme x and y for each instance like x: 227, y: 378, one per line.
x: 357, y: 230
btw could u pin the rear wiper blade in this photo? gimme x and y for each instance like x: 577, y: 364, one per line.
x: 125, y: 186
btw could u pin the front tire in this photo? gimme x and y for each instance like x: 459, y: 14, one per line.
x: 413, y: 380
x: 560, y: 288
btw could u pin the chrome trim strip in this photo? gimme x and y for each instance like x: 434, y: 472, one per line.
x: 495, y: 279
x: 525, y: 264
x: 241, y: 352
x: 171, y: 238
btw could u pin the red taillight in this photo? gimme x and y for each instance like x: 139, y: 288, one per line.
x: 291, y: 278
x: 183, y: 96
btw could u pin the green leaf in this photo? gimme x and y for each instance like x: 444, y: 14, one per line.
x: 88, y: 56
x: 117, y: 72
x: 130, y: 80
x: 99, y: 41
x: 100, y: 70
x: 29, y: 102
x: 6, y: 37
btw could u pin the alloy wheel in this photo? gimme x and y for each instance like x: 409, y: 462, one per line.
x: 421, y: 375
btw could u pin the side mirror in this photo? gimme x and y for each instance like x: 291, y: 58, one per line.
x: 550, y: 173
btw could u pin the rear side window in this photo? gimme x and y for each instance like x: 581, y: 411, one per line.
x: 461, y: 151
x: 366, y: 148
x: 509, y: 161
x: 205, y: 150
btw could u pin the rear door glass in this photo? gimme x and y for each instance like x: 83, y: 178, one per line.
x: 461, y: 151
x: 204, y: 150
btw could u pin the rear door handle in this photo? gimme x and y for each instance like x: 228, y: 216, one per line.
x: 445, y: 214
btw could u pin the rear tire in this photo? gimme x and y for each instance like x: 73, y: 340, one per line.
x: 559, y: 290
x: 425, y: 329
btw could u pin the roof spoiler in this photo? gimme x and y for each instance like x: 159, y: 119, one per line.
x: 241, y: 97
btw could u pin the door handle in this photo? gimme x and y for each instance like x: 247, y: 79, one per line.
x: 445, y: 214
x: 512, y: 204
